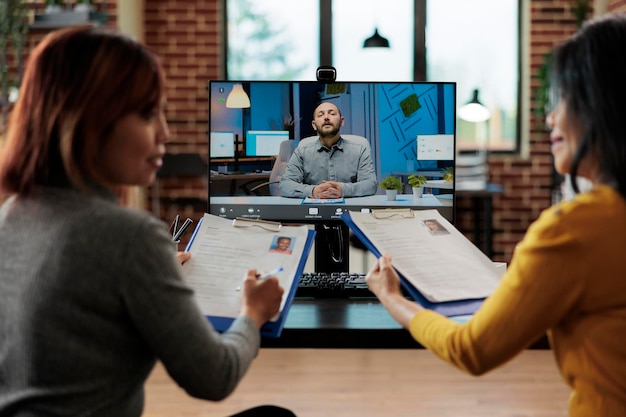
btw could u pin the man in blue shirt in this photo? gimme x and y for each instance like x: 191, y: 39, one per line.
x: 331, y: 166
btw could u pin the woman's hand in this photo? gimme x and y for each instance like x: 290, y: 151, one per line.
x: 261, y: 297
x: 382, y: 279
x: 384, y: 282
x: 183, y: 257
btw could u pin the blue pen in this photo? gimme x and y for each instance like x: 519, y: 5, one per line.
x: 271, y: 273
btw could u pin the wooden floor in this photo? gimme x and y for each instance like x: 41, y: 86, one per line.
x: 372, y: 382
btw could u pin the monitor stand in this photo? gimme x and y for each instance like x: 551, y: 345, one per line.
x: 332, y: 247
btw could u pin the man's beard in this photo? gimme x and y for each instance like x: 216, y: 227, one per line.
x: 328, y: 133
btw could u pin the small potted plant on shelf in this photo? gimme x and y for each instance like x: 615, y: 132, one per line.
x: 53, y: 6
x: 83, y: 6
x: 417, y: 181
x: 448, y: 174
x: 392, y: 185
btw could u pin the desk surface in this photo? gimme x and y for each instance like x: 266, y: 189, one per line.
x: 346, y: 323
x: 341, y: 323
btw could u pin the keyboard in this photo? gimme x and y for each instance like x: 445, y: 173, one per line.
x: 333, y: 285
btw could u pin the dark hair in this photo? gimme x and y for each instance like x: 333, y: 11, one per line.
x: 589, y: 73
x: 77, y: 84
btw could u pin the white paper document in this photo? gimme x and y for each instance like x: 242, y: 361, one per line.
x: 437, y: 259
x: 221, y: 253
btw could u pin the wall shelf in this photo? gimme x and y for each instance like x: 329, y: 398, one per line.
x: 68, y: 18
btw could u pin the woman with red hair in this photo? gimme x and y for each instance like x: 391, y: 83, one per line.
x: 91, y: 294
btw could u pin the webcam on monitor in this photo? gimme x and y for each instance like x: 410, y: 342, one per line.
x: 326, y: 74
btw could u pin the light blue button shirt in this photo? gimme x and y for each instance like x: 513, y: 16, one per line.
x: 346, y: 162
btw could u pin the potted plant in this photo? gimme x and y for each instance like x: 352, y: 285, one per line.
x: 417, y: 181
x: 53, y: 6
x: 448, y: 174
x: 392, y: 185
x: 84, y: 6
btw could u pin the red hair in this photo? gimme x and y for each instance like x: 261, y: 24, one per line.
x: 77, y: 84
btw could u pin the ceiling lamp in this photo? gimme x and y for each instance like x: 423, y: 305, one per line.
x: 237, y: 98
x: 474, y: 111
x: 376, y: 41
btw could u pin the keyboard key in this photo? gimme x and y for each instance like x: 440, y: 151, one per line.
x: 333, y: 285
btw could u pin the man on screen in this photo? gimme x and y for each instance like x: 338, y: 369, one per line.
x: 332, y: 166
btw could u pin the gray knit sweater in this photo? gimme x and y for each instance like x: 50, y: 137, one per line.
x: 90, y: 297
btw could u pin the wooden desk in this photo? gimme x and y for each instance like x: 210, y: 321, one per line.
x: 341, y: 323
x: 346, y: 323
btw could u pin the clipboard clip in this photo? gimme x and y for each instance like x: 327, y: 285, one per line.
x: 404, y: 213
x: 263, y: 224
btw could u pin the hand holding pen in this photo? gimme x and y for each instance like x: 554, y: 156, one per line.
x: 261, y: 298
x: 272, y: 273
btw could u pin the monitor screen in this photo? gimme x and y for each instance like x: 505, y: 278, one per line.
x: 222, y: 145
x: 389, y: 115
x: 265, y: 142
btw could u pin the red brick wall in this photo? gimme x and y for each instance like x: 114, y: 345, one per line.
x: 187, y: 35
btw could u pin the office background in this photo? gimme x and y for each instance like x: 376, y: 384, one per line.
x: 188, y: 36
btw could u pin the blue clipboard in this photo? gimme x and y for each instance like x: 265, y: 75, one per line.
x: 448, y: 308
x: 271, y: 329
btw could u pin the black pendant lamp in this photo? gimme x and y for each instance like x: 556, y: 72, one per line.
x: 376, y: 41
x: 474, y: 111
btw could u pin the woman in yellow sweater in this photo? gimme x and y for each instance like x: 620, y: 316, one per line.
x: 568, y: 274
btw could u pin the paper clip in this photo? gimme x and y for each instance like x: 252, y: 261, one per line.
x: 263, y: 224
x: 389, y: 213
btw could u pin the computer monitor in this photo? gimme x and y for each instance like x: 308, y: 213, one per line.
x: 265, y: 142
x: 221, y: 145
x: 390, y: 115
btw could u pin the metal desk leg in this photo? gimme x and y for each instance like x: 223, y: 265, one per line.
x: 476, y: 211
x: 488, y: 226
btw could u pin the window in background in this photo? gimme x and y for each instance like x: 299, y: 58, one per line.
x: 476, y: 43
x: 272, y: 39
x: 353, y: 21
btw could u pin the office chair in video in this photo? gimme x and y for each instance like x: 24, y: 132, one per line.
x: 286, y: 149
x: 278, y: 169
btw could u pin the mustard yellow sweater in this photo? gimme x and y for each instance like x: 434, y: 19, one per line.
x: 567, y: 277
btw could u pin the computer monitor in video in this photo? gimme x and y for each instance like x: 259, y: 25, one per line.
x: 222, y: 144
x: 410, y: 128
x: 264, y: 142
